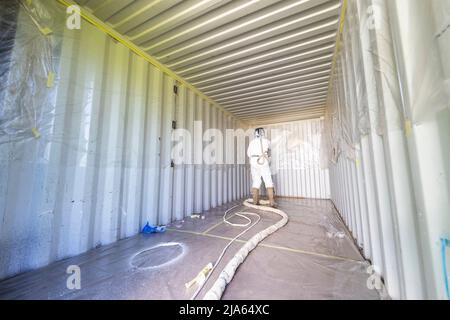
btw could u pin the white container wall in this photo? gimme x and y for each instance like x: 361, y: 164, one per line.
x: 387, y: 139
x: 295, y: 151
x: 143, y: 114
x: 90, y: 161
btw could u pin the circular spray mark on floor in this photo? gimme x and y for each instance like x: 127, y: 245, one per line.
x: 158, y: 256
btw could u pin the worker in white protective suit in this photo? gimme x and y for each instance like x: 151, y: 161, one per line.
x: 258, y: 152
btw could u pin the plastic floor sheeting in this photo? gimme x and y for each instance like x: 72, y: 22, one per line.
x: 312, y: 257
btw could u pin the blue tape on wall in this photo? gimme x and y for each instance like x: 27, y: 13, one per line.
x: 444, y: 244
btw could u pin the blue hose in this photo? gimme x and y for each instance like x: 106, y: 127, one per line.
x: 444, y: 244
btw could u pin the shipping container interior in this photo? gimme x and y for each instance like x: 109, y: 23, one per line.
x: 124, y: 128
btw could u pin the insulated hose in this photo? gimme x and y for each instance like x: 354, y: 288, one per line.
x: 227, y: 274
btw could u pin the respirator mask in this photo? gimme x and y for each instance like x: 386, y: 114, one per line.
x: 259, y: 133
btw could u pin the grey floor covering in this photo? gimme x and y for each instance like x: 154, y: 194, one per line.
x: 312, y: 257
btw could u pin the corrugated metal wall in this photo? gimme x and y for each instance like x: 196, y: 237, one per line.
x: 260, y: 59
x: 102, y: 166
x: 387, y: 134
x: 295, y: 148
x: 88, y: 160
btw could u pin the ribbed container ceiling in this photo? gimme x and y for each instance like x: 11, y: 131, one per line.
x: 263, y: 60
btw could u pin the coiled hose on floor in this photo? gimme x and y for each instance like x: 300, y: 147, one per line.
x: 227, y: 274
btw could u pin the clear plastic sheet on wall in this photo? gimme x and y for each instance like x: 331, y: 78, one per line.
x: 347, y: 114
x: 422, y: 55
x: 441, y: 9
x: 360, y: 108
x: 386, y: 132
x: 431, y: 85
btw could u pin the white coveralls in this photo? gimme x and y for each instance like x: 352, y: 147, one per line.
x: 260, y: 170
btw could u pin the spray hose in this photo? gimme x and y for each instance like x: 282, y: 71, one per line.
x: 263, y: 157
x: 227, y: 274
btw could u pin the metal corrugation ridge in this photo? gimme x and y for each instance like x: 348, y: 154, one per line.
x: 245, y: 55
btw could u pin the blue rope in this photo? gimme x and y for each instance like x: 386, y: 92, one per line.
x: 444, y: 244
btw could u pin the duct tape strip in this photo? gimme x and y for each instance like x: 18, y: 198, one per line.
x: 50, y: 79
x: 45, y: 31
x: 408, y: 128
x: 36, y: 133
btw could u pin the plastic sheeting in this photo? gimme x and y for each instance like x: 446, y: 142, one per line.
x: 348, y: 112
x: 385, y: 137
x: 295, y: 159
x: 29, y: 61
x: 429, y: 84
x: 299, y: 261
x: 85, y: 136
